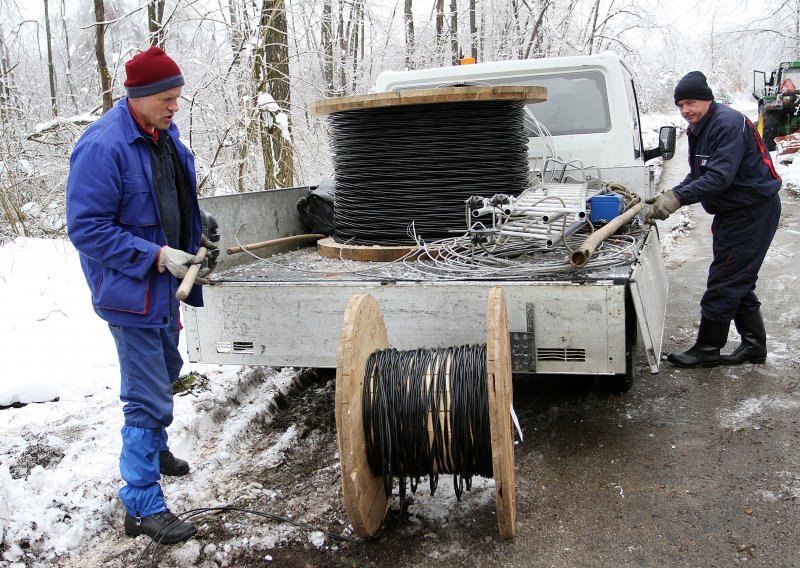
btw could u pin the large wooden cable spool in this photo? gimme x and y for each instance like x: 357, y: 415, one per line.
x: 409, y: 159
x: 364, y: 332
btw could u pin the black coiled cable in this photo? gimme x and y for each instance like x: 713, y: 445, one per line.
x: 404, y: 391
x: 416, y: 165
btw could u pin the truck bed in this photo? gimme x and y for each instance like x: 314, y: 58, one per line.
x: 286, y: 309
x: 306, y: 265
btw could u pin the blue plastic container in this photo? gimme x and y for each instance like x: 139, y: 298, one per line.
x: 605, y: 207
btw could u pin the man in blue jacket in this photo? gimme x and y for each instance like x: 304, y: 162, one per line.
x: 133, y: 216
x: 732, y: 176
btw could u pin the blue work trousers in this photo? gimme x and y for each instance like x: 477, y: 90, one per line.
x: 741, y: 240
x: 149, y: 363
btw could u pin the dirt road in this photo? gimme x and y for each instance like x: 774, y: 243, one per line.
x: 690, y: 468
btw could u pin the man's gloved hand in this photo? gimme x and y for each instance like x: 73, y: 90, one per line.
x: 209, y: 239
x: 176, y: 261
x: 664, y: 205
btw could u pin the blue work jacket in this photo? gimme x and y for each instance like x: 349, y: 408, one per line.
x: 113, y: 219
x: 730, y: 166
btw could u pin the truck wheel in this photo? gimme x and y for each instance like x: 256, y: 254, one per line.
x: 770, y: 127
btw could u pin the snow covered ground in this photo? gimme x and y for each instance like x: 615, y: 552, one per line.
x: 59, y: 436
x: 59, y: 469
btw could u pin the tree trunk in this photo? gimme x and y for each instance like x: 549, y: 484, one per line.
x: 473, y: 31
x: 409, y: 18
x: 327, y: 48
x: 100, y: 51
x: 342, y: 35
x: 357, y: 39
x: 5, y: 81
x: 535, y: 42
x: 456, y: 56
x: 270, y: 75
x: 51, y: 71
x: 68, y: 57
x: 155, y: 21
x: 593, y: 27
x: 440, y: 40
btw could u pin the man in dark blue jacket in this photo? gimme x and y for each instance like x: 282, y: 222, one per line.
x: 732, y: 176
x: 133, y: 216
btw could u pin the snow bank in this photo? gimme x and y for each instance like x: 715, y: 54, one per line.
x: 55, y: 346
x: 59, y: 471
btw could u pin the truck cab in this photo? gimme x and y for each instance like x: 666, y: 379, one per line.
x: 591, y: 111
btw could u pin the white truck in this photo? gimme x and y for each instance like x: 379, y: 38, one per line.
x: 287, y: 310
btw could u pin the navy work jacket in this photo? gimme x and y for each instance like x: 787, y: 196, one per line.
x: 114, y: 221
x: 730, y: 166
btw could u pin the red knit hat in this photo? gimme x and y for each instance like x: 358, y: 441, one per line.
x: 151, y: 72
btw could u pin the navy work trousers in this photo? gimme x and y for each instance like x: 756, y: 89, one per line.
x: 149, y: 362
x: 741, y: 239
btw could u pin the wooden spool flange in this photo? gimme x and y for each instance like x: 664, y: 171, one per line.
x: 329, y: 248
x: 498, y: 371
x: 364, y: 332
x: 430, y: 96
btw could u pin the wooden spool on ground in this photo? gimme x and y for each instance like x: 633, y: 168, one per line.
x: 364, y: 332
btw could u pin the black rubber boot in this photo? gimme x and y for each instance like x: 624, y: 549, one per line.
x: 166, y: 525
x: 170, y: 465
x: 753, y: 348
x: 711, y: 337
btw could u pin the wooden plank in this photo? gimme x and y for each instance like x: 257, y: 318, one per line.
x: 363, y: 332
x: 430, y: 96
x: 498, y: 367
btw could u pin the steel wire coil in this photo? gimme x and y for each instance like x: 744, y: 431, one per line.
x: 407, y: 170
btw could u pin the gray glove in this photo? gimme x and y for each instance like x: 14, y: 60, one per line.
x: 664, y: 205
x: 176, y: 261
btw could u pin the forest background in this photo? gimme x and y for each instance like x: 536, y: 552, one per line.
x: 253, y: 67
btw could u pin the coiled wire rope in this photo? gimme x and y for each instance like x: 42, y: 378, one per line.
x: 426, y: 412
x: 403, y: 166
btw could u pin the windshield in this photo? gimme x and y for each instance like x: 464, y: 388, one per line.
x: 576, y: 103
x: 794, y: 76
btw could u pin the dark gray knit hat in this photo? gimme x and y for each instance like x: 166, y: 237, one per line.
x: 693, y: 86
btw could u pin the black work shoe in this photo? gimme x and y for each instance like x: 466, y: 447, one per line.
x: 753, y: 348
x: 163, y: 527
x: 170, y: 465
x: 711, y: 337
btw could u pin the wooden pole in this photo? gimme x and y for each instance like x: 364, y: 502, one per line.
x: 188, y: 280
x: 276, y: 242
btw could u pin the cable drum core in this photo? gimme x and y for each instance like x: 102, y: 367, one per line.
x: 425, y: 413
x: 403, y: 170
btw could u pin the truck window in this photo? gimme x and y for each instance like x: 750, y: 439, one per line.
x: 793, y: 75
x: 577, y: 103
x: 636, y: 132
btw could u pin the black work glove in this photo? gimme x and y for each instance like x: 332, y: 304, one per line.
x: 209, y: 239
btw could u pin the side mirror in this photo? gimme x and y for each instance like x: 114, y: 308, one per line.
x: 666, y: 141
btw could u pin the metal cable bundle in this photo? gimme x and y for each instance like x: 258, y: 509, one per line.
x: 426, y: 412
x: 409, y: 169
